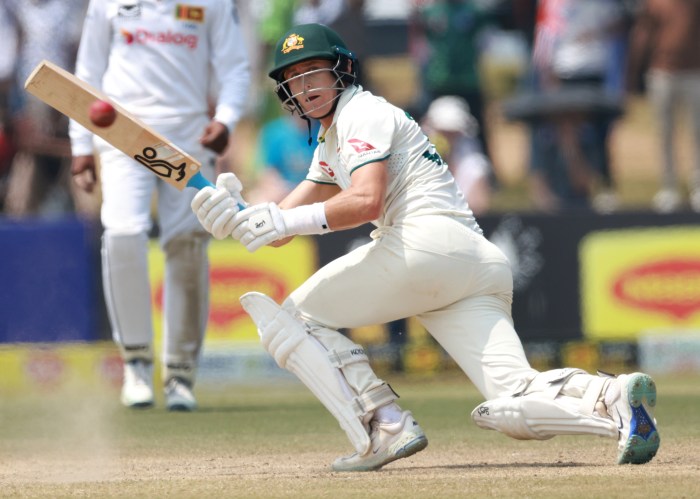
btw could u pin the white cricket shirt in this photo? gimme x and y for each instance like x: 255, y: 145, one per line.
x: 161, y: 58
x: 367, y: 129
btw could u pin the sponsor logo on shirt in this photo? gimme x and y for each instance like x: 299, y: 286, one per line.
x: 143, y: 37
x: 327, y: 168
x: 189, y: 13
x: 360, y: 145
x: 293, y: 42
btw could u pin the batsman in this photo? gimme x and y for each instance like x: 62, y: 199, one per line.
x: 428, y: 258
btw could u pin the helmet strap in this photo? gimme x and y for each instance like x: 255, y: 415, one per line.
x: 308, y: 126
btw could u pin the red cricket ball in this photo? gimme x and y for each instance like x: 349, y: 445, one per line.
x: 102, y: 113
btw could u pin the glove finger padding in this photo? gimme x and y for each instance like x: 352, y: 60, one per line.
x: 215, y: 210
x: 233, y: 185
x: 230, y: 182
x: 253, y: 242
x: 204, y: 194
x: 224, y: 223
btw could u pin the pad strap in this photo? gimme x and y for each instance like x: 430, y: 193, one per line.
x: 549, y: 383
x: 593, y: 391
x: 373, y: 399
x: 346, y: 357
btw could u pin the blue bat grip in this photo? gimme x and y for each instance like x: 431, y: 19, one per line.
x: 199, y: 181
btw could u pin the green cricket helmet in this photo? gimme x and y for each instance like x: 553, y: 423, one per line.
x: 306, y: 42
x: 310, y: 41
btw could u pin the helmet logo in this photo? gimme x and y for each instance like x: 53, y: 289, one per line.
x: 293, y: 42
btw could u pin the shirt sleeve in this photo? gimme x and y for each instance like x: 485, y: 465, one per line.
x: 320, y: 172
x: 90, y: 66
x: 365, y: 137
x: 229, y: 61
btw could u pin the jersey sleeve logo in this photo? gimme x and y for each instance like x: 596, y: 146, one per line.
x: 360, y: 145
x: 327, y: 169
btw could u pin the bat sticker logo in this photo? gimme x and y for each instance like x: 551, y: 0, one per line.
x: 159, y: 166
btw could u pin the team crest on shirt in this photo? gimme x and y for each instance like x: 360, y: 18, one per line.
x: 360, y: 145
x: 292, y: 42
x: 326, y: 168
x: 190, y: 13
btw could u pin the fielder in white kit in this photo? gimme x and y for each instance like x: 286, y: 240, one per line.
x: 428, y: 259
x: 162, y: 60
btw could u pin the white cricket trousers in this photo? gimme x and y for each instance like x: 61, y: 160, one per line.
x: 127, y: 198
x: 457, y: 283
x: 128, y: 187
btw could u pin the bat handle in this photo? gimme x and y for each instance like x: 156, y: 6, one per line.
x: 199, y: 181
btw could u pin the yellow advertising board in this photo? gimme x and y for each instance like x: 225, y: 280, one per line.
x: 640, y: 280
x: 42, y: 368
x: 233, y: 272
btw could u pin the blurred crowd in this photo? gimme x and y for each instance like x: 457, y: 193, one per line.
x: 581, y: 62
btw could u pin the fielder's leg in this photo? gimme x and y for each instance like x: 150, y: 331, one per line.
x: 186, y: 298
x: 186, y: 286
x: 337, y: 371
x: 128, y: 299
x: 125, y: 215
x: 663, y: 96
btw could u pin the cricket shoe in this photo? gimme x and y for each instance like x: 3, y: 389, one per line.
x: 179, y: 396
x: 137, y: 389
x: 630, y: 400
x: 389, y: 442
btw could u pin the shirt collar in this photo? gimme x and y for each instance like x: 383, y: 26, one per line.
x: 344, y: 98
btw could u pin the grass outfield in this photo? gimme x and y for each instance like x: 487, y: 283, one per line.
x: 277, y: 441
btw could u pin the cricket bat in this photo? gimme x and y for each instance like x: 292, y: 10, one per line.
x: 71, y: 96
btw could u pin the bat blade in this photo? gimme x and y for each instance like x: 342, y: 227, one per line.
x: 71, y: 96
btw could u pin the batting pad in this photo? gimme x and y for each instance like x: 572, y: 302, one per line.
x: 539, y: 417
x: 286, y: 339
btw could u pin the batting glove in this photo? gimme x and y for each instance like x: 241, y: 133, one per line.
x: 216, y: 208
x: 259, y: 226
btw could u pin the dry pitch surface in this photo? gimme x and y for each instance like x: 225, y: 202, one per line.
x: 277, y: 441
